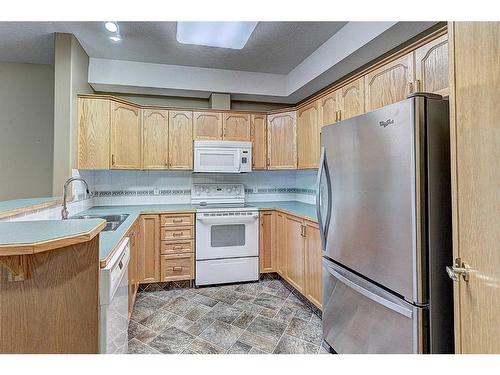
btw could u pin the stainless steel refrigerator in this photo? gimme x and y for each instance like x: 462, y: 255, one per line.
x: 384, y: 211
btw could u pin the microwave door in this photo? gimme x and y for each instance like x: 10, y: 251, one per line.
x: 217, y: 160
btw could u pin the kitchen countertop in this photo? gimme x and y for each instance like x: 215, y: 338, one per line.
x: 109, y: 240
x: 29, y: 237
x: 17, y: 206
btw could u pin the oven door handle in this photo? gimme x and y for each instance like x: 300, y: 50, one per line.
x: 228, y: 219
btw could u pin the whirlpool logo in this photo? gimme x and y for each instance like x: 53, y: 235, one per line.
x: 386, y: 123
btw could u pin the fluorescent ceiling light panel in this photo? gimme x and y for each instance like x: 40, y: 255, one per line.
x: 215, y: 34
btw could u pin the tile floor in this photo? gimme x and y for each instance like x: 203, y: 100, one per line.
x: 250, y: 318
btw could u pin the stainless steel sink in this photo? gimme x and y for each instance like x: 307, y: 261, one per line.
x: 113, y: 221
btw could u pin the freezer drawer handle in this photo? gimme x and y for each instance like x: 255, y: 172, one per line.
x: 368, y: 294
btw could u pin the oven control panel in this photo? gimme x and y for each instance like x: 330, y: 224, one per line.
x: 218, y: 192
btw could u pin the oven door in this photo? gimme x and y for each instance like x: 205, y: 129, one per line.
x: 225, y: 160
x: 227, y: 235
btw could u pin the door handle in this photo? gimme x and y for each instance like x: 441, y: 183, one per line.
x: 459, y: 269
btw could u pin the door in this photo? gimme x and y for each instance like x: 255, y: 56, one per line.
x: 390, y: 83
x: 125, y: 136
x: 154, y: 139
x: 207, y: 125
x: 219, y: 235
x: 328, y: 108
x: 371, y: 182
x: 180, y: 140
x: 258, y: 136
x: 267, y: 247
x: 431, y: 67
x: 475, y: 139
x: 93, y: 133
x: 149, y: 251
x: 362, y: 318
x: 280, y: 243
x: 308, y: 131
x: 282, y: 140
x: 352, y: 99
x: 314, y: 262
x: 236, y: 127
x: 295, y: 254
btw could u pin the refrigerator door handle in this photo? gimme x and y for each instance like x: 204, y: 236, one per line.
x: 370, y: 294
x: 323, y: 226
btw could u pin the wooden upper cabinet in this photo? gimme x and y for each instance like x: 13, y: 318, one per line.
x: 431, y: 67
x: 314, y: 266
x: 308, y: 137
x: 93, y: 133
x: 295, y: 253
x: 154, y: 139
x: 267, y: 243
x: 390, y: 83
x: 149, y: 249
x: 328, y: 107
x: 351, y: 99
x: 180, y: 140
x: 236, y: 127
x: 282, y: 140
x: 207, y: 126
x: 259, y: 145
x: 125, y: 136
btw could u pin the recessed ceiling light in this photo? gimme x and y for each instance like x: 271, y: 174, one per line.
x: 115, y: 38
x: 111, y: 27
x: 215, y: 34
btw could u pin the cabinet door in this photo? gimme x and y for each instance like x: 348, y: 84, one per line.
x: 431, y: 67
x: 352, y: 99
x: 154, y: 139
x: 390, y: 83
x: 125, y: 136
x: 328, y: 107
x: 313, y: 264
x: 280, y: 244
x: 207, y: 125
x: 308, y: 141
x: 259, y: 149
x: 236, y: 127
x: 149, y: 251
x: 93, y: 133
x: 295, y: 254
x: 282, y: 140
x: 180, y: 140
x: 267, y: 253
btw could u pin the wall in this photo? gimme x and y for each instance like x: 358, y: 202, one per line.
x: 26, y: 128
x: 70, y: 79
x: 165, y: 187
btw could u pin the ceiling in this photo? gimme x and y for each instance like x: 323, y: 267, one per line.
x: 273, y: 47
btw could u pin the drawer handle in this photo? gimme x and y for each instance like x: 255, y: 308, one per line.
x: 177, y: 268
x: 177, y: 234
x: 178, y: 220
x: 177, y: 247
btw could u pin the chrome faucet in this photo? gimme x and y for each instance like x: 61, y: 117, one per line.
x: 64, y: 211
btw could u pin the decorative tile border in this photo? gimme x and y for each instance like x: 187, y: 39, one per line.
x: 177, y: 192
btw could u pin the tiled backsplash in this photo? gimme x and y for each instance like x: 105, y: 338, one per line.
x: 149, y: 187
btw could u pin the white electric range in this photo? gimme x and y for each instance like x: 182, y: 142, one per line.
x: 227, y: 234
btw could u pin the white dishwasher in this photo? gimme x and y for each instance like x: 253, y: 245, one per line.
x: 113, y: 297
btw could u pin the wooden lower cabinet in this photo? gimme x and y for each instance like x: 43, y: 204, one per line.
x: 267, y: 253
x: 313, y: 261
x: 291, y: 246
x: 177, y: 267
x: 295, y: 253
x: 149, y: 249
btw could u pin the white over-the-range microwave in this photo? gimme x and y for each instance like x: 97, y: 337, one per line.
x: 222, y: 156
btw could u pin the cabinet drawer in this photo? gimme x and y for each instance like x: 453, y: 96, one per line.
x: 172, y: 220
x: 177, y: 267
x: 177, y: 233
x: 168, y: 247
